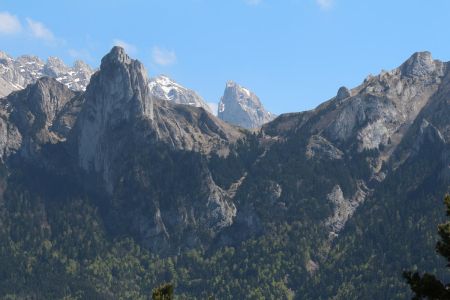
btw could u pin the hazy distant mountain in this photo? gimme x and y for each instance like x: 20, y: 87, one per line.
x: 108, y: 192
x: 240, y: 106
x: 16, y: 74
x: 167, y: 89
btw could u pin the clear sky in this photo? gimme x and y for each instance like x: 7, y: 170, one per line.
x: 294, y: 54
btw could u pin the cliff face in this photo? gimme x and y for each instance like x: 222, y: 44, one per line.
x: 121, y: 121
x: 34, y: 117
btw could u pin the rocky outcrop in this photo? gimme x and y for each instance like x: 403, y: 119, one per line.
x: 221, y: 208
x: 30, y: 117
x: 165, y: 88
x: 319, y: 148
x: 343, y: 93
x: 117, y: 95
x: 422, y: 65
x: 239, y: 106
x: 344, y: 208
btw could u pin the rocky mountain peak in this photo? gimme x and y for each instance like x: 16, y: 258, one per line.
x: 121, y: 77
x: 29, y: 59
x: 117, y: 55
x: 122, y: 82
x: 421, y: 64
x: 241, y: 93
x: 4, y: 55
x: 231, y: 83
x: 168, y: 89
x: 234, y: 87
x: 81, y: 65
x: 55, y: 62
x: 240, y: 106
x: 55, y: 67
x: 343, y: 93
x: 117, y: 95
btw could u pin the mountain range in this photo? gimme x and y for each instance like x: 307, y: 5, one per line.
x: 109, y: 191
x: 16, y: 74
x: 243, y: 107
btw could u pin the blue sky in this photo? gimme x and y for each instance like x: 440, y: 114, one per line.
x: 294, y: 54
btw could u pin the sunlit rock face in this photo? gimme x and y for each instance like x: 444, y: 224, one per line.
x: 239, y: 106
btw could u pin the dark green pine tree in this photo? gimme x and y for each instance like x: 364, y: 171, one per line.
x: 428, y: 286
x: 163, y: 292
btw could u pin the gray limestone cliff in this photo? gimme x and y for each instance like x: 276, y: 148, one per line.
x: 33, y: 117
x: 121, y: 123
x: 118, y: 94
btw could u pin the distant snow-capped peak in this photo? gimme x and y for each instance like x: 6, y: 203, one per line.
x: 166, y: 88
x: 16, y: 74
